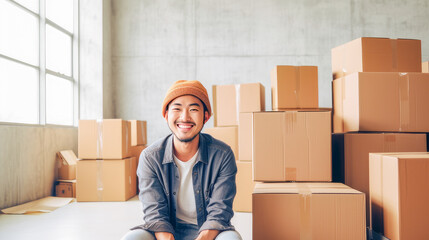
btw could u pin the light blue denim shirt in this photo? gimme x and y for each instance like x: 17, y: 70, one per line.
x: 213, y: 177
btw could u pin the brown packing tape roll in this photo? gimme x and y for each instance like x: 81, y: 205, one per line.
x: 404, y: 105
x: 389, y: 143
x: 305, y: 212
x: 297, y: 86
x: 394, y: 47
x: 237, y: 102
x: 100, y: 187
x: 99, y: 138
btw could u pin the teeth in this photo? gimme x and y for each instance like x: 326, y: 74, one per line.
x: 184, y: 126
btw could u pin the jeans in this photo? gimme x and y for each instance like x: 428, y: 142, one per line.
x: 182, y: 232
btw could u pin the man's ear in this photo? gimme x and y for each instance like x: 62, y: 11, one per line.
x: 166, y: 115
x: 206, y: 116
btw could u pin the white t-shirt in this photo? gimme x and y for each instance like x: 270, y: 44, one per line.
x: 186, y: 208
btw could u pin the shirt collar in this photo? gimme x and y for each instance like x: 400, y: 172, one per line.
x: 202, y: 153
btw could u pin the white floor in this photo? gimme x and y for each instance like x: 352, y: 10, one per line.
x: 90, y: 220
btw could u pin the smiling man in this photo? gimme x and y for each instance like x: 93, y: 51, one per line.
x: 187, y: 179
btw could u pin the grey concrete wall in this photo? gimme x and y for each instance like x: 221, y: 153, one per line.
x: 155, y: 43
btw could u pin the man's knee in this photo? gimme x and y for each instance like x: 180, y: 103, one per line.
x: 138, y: 234
x: 229, y: 235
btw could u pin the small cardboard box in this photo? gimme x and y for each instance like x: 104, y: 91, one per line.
x: 357, y: 147
x: 228, y: 135
x: 381, y: 102
x: 138, y: 132
x: 376, y: 55
x: 292, y: 146
x: 308, y: 211
x: 425, y: 67
x: 245, y: 137
x: 66, y: 188
x: 66, y: 165
x: 294, y: 87
x: 399, y: 195
x: 106, y: 180
x: 230, y: 100
x: 245, y: 185
x: 104, y: 139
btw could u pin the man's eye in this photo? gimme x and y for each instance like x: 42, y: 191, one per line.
x: 194, y: 110
x: 175, y: 109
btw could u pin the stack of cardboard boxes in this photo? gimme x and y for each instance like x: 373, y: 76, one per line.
x: 380, y: 104
x: 66, y: 184
x: 291, y: 155
x: 106, y: 169
x: 229, y: 103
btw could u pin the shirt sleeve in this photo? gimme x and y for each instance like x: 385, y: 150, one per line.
x: 154, y: 201
x: 219, y: 208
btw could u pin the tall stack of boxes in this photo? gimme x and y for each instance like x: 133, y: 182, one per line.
x: 380, y: 105
x: 106, y: 170
x: 229, y: 103
x: 291, y: 154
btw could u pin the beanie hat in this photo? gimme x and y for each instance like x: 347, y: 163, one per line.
x: 185, y: 87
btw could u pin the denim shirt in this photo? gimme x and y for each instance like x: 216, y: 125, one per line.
x: 213, y: 177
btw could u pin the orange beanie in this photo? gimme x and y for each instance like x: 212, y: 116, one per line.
x: 185, y: 87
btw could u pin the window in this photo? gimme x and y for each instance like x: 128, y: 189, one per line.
x: 38, y: 61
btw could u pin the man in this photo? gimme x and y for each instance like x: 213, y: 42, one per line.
x: 187, y: 179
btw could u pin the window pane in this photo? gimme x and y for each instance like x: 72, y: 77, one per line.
x: 58, y: 51
x: 19, y: 33
x: 59, y: 100
x: 33, y: 5
x: 19, y: 87
x: 61, y: 13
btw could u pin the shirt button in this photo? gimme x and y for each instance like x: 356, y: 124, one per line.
x: 199, y: 209
x: 198, y: 191
x: 177, y: 176
x: 174, y: 193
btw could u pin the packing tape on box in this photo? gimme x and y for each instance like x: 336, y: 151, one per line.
x: 389, y: 143
x: 99, y: 138
x: 404, y: 104
x: 297, y: 86
x: 305, y: 212
x: 143, y: 131
x: 288, y: 126
x: 394, y: 47
x: 342, y: 82
x: 100, y: 187
x: 127, y: 136
x: 237, y: 102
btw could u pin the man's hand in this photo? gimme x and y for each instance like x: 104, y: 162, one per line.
x: 209, y: 234
x: 164, y: 236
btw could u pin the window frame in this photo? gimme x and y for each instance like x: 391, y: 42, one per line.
x: 42, y: 69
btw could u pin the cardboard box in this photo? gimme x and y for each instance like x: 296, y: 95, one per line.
x: 136, y: 152
x: 425, y: 67
x: 66, y: 165
x: 376, y: 55
x: 106, y: 180
x: 294, y: 87
x: 228, y: 135
x: 308, y: 211
x: 230, y: 100
x: 245, y: 137
x: 138, y: 132
x: 292, y: 146
x: 66, y: 188
x: 357, y: 147
x: 245, y: 185
x: 104, y: 139
x: 381, y: 102
x: 399, y: 196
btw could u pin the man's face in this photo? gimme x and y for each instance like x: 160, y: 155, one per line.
x: 186, y: 117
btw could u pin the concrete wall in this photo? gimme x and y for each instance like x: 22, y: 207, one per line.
x: 155, y: 43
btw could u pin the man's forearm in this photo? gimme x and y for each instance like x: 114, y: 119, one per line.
x: 209, y: 234
x: 164, y: 236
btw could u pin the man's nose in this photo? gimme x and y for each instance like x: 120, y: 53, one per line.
x: 184, y: 115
